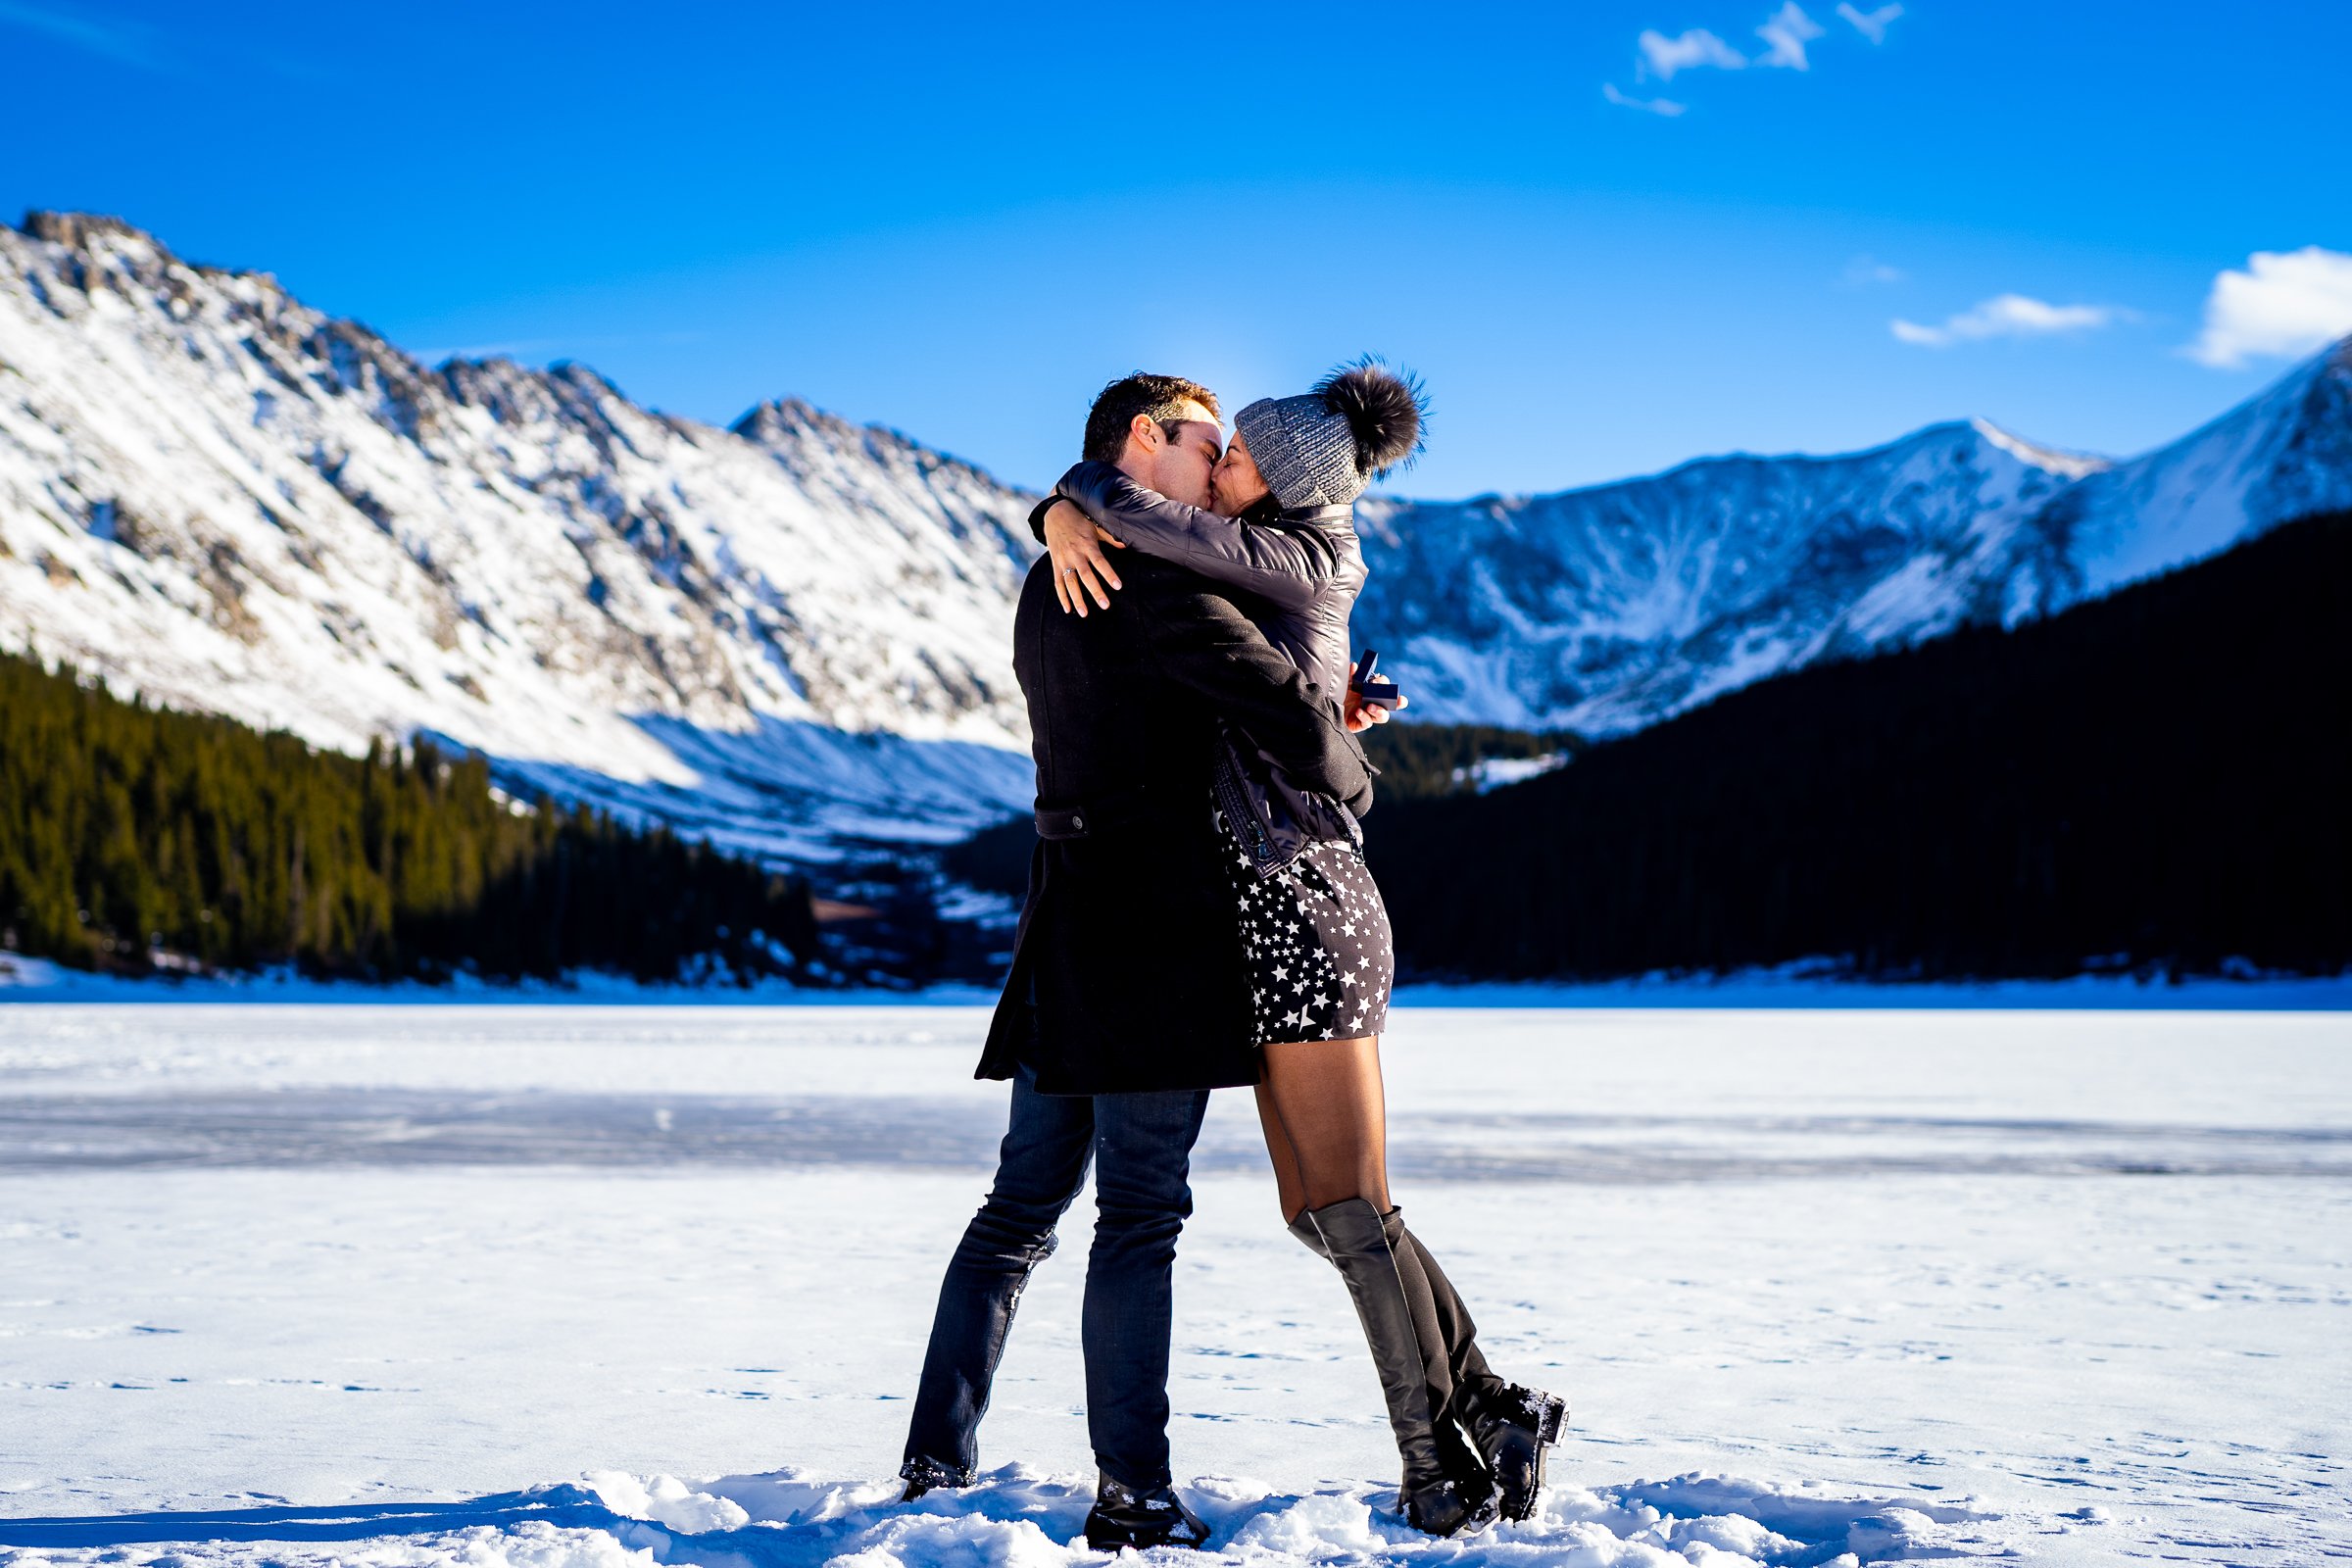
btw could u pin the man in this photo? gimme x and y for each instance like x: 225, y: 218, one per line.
x: 1128, y: 998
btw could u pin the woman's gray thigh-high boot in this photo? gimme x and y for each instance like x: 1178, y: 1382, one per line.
x: 1351, y: 1235
x: 1511, y: 1425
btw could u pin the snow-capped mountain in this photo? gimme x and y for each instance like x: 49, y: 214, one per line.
x: 793, y: 633
x: 1607, y: 609
x: 2284, y: 453
x: 1603, y: 609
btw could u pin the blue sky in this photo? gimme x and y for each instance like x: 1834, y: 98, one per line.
x: 1610, y: 235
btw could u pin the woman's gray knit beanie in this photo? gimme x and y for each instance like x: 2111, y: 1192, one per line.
x: 1323, y: 447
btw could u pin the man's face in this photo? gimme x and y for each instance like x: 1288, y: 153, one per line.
x: 1188, y: 450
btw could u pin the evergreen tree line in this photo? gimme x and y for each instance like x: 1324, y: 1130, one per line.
x: 128, y: 831
x: 2158, y: 779
x: 1417, y: 762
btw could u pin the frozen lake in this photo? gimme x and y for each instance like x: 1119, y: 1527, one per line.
x: 419, y: 1285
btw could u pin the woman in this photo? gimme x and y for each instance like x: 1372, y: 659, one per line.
x: 1313, y: 926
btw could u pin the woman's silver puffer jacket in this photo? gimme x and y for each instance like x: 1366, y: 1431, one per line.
x: 1300, y: 573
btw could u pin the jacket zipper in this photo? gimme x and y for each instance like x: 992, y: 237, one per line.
x: 1240, y: 808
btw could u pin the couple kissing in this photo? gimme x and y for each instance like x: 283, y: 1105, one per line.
x: 1200, y: 916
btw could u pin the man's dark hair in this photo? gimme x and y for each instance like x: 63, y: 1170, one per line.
x: 1158, y: 398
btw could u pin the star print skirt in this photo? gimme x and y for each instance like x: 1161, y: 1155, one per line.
x: 1316, y: 938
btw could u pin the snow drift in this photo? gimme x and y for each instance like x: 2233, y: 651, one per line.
x: 1019, y: 1517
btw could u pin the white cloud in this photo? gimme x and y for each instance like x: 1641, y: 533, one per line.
x: 1786, y: 33
x: 2285, y: 303
x: 1870, y: 270
x: 1662, y: 56
x: 1655, y: 106
x: 1789, y: 31
x: 1871, y: 25
x: 2009, y: 315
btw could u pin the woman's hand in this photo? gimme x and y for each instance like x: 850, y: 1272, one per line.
x: 1079, y: 566
x: 1360, y: 714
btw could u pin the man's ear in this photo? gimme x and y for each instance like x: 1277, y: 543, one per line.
x: 1144, y: 431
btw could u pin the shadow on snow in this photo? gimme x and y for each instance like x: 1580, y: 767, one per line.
x: 788, y: 1520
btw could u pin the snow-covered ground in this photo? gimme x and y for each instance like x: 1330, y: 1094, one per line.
x: 424, y: 1284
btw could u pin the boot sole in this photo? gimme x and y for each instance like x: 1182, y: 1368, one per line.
x: 1111, y: 1538
x: 1470, y: 1523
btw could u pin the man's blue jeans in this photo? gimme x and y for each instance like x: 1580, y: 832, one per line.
x: 1141, y: 1146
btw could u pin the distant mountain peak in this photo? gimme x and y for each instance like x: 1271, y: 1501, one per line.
x: 1610, y: 608
x: 2072, y: 464
x: 2284, y: 453
x: 781, y: 424
x: 88, y: 231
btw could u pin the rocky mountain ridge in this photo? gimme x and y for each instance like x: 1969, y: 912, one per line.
x: 1606, y: 609
x: 792, y: 635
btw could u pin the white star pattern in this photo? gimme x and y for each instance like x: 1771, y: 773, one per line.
x: 1316, y: 938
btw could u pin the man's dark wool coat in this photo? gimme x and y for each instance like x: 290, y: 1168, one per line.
x: 1127, y: 972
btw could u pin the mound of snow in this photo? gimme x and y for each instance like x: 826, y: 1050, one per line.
x: 1020, y: 1518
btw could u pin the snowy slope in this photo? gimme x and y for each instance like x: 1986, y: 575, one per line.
x: 229, y: 502
x: 1606, y: 609
x: 1611, y: 607
x: 2281, y: 455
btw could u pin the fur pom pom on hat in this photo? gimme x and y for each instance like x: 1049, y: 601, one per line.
x: 1322, y: 448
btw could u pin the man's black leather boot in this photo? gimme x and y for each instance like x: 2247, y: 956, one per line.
x: 1123, y: 1516
x: 923, y: 1475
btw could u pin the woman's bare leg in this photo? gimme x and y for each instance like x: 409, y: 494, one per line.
x: 1326, y: 1123
x: 1323, y: 1110
x: 1290, y: 1189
